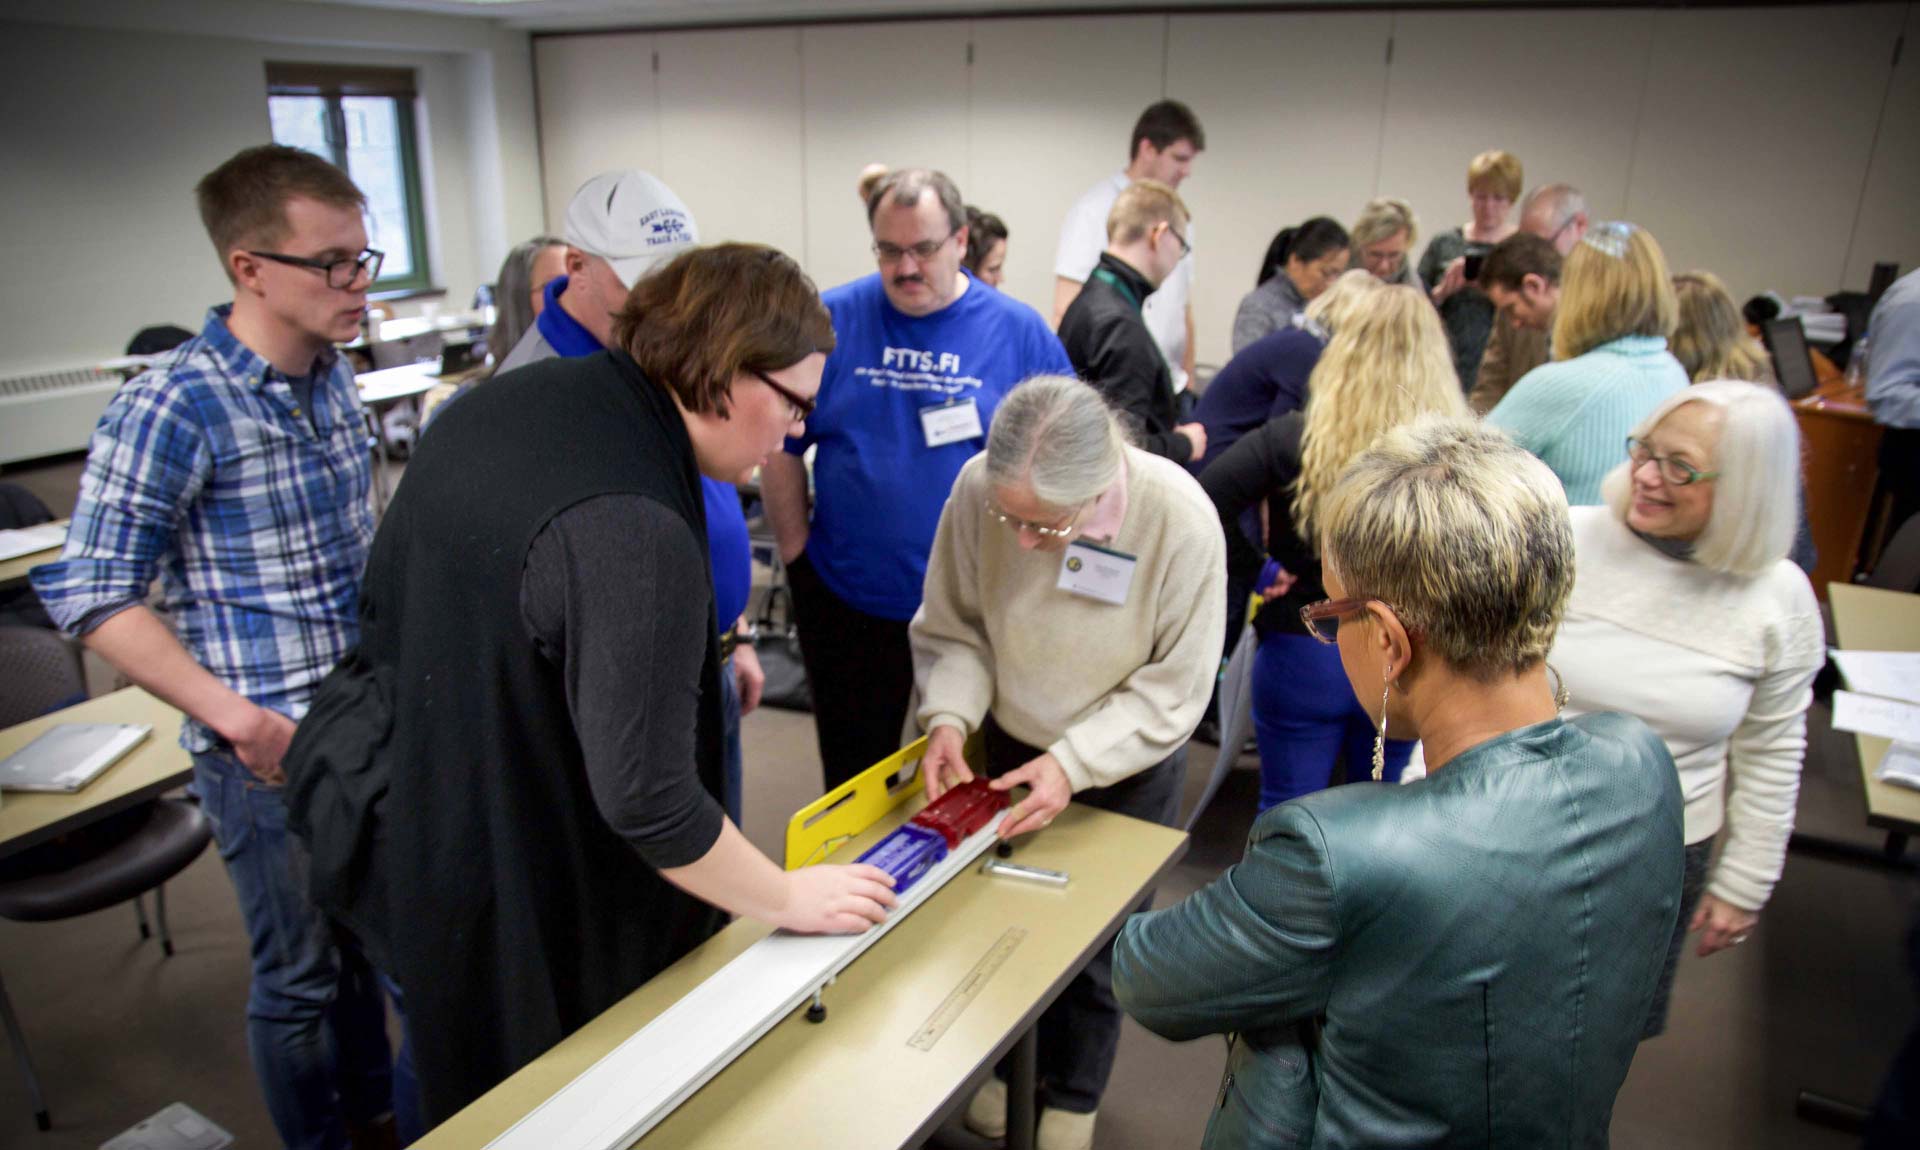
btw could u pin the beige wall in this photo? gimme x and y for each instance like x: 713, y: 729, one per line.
x: 1776, y: 146
x: 112, y: 118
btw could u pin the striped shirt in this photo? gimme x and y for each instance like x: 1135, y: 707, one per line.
x: 207, y: 472
x: 1576, y: 414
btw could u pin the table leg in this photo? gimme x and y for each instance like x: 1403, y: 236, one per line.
x: 1896, y: 848
x: 1022, y: 1113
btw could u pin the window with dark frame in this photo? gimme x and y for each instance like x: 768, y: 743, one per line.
x: 361, y: 119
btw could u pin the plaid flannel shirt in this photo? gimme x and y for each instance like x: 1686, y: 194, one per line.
x: 206, y: 471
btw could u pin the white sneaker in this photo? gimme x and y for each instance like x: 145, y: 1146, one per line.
x: 987, y: 1113
x: 1065, y: 1130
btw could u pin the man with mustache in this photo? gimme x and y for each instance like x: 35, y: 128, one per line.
x: 922, y: 360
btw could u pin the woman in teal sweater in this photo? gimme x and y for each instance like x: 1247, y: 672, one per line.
x: 1611, y: 366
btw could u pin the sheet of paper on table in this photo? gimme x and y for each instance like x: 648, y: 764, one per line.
x: 1867, y: 715
x: 1888, y: 674
x: 1901, y: 766
x: 19, y: 541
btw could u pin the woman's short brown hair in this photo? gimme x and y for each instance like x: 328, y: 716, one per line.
x: 713, y: 312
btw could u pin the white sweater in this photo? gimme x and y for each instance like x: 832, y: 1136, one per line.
x: 1720, y: 666
x: 1108, y: 690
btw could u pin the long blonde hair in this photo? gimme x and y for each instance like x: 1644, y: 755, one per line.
x: 1387, y: 364
x: 1711, y: 341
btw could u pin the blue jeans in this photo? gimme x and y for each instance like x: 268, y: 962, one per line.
x: 316, y: 1020
x: 1305, y: 715
x: 730, y: 736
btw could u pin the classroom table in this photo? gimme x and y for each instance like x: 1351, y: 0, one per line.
x: 157, y: 765
x: 1870, y: 619
x: 18, y: 566
x: 909, y: 1025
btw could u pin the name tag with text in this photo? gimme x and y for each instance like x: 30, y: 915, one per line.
x: 1097, y: 572
x: 951, y: 422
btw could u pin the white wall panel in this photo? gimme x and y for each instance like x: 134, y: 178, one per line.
x: 731, y: 130
x: 1053, y: 104
x: 894, y: 94
x: 1559, y: 90
x: 1291, y: 104
x: 1889, y: 224
x: 598, y: 112
x: 1756, y: 140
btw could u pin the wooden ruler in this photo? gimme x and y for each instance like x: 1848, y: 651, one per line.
x: 968, y: 989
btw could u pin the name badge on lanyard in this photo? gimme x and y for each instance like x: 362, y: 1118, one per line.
x: 951, y: 422
x: 1095, y: 572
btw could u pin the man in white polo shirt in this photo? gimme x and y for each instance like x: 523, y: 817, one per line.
x: 1166, y: 140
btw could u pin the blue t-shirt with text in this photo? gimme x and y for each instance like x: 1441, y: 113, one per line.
x: 878, y: 487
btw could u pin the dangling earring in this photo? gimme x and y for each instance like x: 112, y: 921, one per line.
x: 1561, y: 696
x: 1380, y: 737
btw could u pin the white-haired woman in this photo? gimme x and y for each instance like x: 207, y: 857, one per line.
x: 1387, y: 364
x: 1461, y: 961
x: 1689, y: 615
x: 1072, y: 610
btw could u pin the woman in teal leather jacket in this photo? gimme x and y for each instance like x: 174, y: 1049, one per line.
x: 1465, y: 960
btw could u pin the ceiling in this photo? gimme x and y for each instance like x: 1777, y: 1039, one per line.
x: 557, y: 15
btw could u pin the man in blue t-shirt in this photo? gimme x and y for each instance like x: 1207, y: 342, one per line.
x: 923, y: 358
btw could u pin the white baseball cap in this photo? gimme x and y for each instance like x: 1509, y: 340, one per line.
x: 631, y: 220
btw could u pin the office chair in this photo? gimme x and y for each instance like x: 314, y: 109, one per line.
x: 109, y: 861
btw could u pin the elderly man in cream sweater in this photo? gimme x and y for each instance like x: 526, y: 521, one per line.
x: 1072, y: 610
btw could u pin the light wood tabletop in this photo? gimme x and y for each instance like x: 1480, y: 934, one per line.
x: 908, y: 1025
x: 158, y: 764
x: 1870, y: 619
x: 18, y: 566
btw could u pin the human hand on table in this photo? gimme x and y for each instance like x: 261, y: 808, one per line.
x: 828, y: 899
x: 1049, y: 792
x: 944, y: 764
x: 1721, y: 924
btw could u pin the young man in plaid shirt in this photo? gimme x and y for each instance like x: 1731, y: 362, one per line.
x: 236, y: 471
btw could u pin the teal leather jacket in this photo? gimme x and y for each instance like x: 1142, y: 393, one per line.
x: 1462, y: 961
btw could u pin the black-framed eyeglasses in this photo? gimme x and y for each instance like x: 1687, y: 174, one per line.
x: 1186, y: 249
x: 923, y: 251
x: 802, y: 406
x: 340, y: 273
x: 1677, y: 472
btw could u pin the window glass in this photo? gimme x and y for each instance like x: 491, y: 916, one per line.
x: 301, y: 122
x: 377, y: 166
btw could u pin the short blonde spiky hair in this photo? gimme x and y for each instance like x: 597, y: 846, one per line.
x: 1142, y: 204
x: 1614, y: 283
x: 1464, y: 534
x: 1497, y: 172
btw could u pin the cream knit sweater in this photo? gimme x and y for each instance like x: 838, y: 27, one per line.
x: 1108, y: 690
x: 1720, y: 666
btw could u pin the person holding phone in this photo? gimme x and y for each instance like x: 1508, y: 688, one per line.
x: 1453, y: 258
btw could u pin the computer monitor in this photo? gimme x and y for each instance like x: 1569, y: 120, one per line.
x: 1883, y: 277
x: 1792, y: 366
